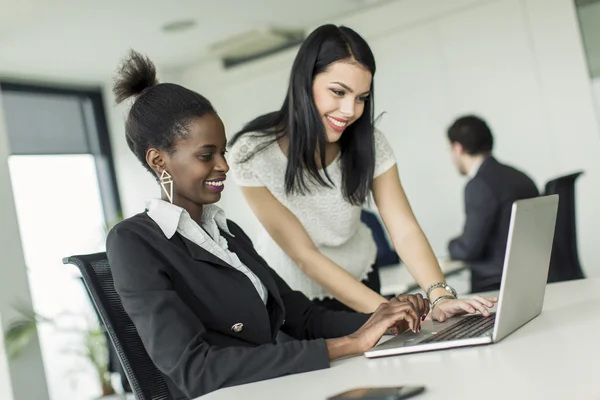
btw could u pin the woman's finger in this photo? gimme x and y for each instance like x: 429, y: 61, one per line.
x: 458, y: 306
x: 441, y: 316
x: 427, y: 305
x: 421, y: 302
x: 479, y: 307
x: 410, y: 299
x: 483, y: 300
x: 404, y: 311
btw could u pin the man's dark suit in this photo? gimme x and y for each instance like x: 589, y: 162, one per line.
x: 187, y: 305
x: 489, y: 196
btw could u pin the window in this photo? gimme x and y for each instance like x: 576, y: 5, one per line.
x: 66, y: 195
x: 49, y: 121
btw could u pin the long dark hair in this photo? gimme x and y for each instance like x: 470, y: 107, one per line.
x: 299, y: 120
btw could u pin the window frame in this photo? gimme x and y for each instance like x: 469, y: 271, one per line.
x: 99, y: 143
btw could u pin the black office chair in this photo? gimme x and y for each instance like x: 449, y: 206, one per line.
x: 146, y: 380
x: 386, y: 255
x: 564, y: 262
x: 114, y: 364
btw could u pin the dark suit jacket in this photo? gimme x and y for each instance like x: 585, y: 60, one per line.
x: 184, y: 302
x: 489, y: 196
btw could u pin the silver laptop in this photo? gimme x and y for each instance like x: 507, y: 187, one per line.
x: 522, y: 289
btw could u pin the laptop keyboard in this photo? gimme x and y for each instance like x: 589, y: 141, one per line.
x: 470, y: 327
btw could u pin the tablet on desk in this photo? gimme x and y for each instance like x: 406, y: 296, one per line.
x: 379, y: 393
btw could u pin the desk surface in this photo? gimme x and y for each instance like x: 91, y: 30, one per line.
x: 555, y: 356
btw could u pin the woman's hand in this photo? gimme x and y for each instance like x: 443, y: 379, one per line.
x: 421, y: 304
x: 395, y: 316
x: 398, y: 314
x: 450, y: 307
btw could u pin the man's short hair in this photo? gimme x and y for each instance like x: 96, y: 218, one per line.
x: 473, y: 134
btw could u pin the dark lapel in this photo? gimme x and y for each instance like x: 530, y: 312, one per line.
x: 199, y: 253
x: 254, y: 266
x: 275, y: 305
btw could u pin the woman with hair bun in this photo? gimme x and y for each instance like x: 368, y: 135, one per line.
x: 207, y: 307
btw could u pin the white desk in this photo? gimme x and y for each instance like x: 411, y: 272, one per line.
x: 396, y: 279
x: 536, y: 362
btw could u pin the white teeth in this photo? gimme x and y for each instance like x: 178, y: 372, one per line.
x: 337, y: 123
x: 216, y: 183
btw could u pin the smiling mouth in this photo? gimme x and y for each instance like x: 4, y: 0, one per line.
x: 216, y: 185
x: 336, y: 124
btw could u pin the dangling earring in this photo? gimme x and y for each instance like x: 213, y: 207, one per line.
x: 166, y: 182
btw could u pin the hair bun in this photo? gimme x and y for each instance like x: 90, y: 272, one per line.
x: 136, y: 74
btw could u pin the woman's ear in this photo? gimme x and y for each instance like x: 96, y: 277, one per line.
x: 156, y: 160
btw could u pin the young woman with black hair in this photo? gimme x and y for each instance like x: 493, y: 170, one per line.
x: 308, y: 168
x: 207, y: 307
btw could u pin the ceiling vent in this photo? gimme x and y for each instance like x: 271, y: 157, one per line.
x: 255, y: 44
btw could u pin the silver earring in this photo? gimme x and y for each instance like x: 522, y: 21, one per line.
x: 166, y: 182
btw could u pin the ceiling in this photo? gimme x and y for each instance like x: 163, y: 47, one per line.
x: 75, y: 40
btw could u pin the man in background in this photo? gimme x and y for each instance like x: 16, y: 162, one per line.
x: 490, y: 192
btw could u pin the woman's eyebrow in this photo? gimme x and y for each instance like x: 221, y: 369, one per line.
x: 348, y: 88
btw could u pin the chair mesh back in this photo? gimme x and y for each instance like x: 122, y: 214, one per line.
x: 146, y: 380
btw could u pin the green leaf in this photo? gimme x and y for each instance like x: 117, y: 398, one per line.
x: 18, y: 336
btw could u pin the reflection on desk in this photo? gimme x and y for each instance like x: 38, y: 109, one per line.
x: 539, y: 361
x: 396, y: 279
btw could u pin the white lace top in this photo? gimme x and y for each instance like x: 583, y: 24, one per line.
x: 332, y: 223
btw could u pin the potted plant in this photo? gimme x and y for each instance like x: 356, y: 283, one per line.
x: 91, y: 345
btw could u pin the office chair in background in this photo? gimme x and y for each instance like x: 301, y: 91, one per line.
x: 564, y: 262
x: 386, y: 255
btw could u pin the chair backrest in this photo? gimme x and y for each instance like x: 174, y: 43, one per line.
x: 564, y: 264
x: 386, y: 255
x: 146, y: 380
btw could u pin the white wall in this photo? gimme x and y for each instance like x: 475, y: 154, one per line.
x: 27, y: 376
x: 518, y: 63
x: 135, y: 184
x: 596, y: 95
